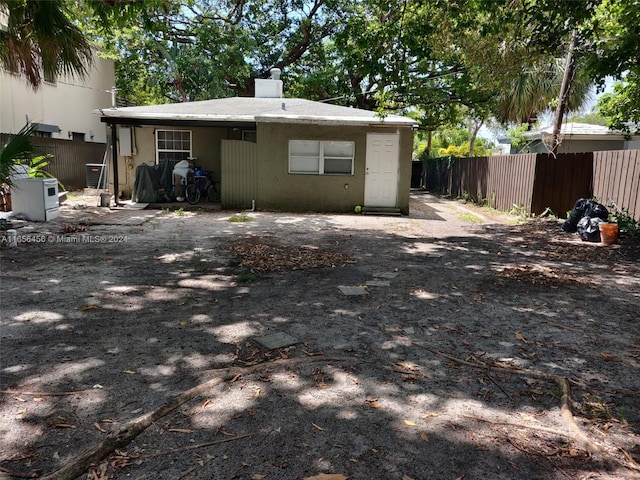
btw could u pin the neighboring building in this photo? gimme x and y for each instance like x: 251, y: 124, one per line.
x: 273, y: 152
x: 62, y: 107
x: 578, y: 138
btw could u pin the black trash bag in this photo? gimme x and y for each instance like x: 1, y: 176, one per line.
x: 595, y: 209
x: 579, y: 208
x: 589, y: 228
x: 584, y: 208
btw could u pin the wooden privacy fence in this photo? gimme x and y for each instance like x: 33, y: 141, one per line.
x: 69, y: 160
x: 616, y: 178
x: 535, y: 182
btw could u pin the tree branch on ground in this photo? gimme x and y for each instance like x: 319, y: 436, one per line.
x: 125, y: 435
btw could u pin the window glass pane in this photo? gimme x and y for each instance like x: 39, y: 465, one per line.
x: 321, y: 157
x: 249, y: 136
x: 338, y: 149
x: 304, y: 164
x: 172, y: 156
x: 173, y: 145
x: 340, y: 166
x: 304, y: 147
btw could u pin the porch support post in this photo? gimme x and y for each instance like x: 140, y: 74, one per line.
x: 114, y: 156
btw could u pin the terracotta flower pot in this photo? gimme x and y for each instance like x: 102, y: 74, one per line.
x: 608, y: 233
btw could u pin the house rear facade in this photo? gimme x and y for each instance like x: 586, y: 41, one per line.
x: 271, y: 152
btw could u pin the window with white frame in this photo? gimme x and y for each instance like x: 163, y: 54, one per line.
x: 173, y: 145
x: 315, y: 157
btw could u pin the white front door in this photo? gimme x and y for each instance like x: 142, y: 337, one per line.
x: 381, y: 180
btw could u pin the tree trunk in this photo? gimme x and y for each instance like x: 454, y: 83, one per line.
x: 474, y: 134
x: 567, y: 80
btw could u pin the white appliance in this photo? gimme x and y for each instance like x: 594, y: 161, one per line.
x: 35, y: 198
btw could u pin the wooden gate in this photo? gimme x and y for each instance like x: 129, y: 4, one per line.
x: 238, y: 174
x: 560, y: 181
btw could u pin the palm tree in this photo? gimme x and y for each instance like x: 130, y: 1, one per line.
x: 534, y: 91
x: 16, y: 150
x: 39, y: 41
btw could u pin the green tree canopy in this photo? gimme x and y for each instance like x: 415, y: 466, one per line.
x: 622, y: 107
x: 439, y: 61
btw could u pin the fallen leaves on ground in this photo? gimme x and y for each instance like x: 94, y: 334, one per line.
x: 259, y: 256
x: 68, y: 228
x: 549, y: 240
x: 519, y: 337
x: 538, y: 275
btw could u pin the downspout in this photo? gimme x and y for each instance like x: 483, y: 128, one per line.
x: 114, y: 156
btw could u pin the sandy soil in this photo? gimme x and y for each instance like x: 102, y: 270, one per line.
x: 448, y: 364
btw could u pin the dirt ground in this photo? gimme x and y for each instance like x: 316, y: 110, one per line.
x: 441, y: 345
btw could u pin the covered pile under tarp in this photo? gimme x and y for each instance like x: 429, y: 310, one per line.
x: 153, y: 183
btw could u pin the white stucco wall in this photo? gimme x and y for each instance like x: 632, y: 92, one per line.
x: 68, y: 103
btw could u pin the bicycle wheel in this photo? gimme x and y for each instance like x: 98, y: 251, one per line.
x: 212, y: 193
x: 192, y: 193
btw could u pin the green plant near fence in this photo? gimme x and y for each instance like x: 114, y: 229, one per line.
x: 627, y: 225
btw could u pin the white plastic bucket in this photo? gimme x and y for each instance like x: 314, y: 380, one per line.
x: 12, y: 238
x: 105, y: 199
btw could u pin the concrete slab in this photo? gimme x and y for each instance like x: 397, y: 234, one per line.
x: 349, y: 290
x: 276, y: 340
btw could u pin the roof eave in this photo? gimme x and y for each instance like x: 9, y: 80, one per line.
x: 337, y: 120
x: 150, y: 118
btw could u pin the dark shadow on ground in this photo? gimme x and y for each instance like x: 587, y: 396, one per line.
x: 117, y: 333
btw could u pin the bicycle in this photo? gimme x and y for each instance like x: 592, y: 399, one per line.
x: 199, y: 186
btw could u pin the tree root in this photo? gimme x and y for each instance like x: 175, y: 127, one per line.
x: 553, y: 431
x: 574, y: 432
x: 48, y: 394
x: 122, y: 437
